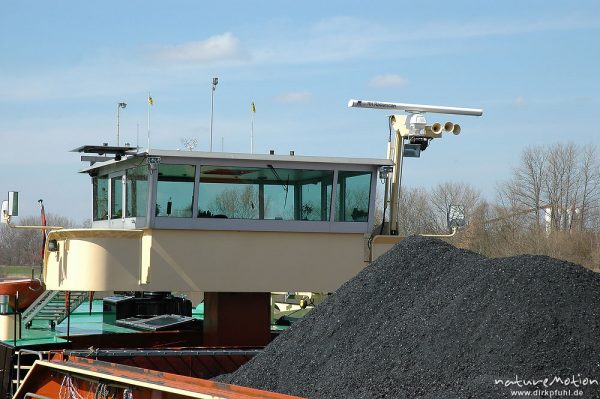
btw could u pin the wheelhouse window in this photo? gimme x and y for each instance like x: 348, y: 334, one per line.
x: 116, y: 197
x: 100, y: 197
x: 175, y: 190
x: 353, y: 196
x: 315, y: 196
x: 136, y: 192
x: 264, y: 193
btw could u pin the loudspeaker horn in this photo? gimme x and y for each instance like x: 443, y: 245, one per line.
x: 456, y: 129
x: 433, y: 131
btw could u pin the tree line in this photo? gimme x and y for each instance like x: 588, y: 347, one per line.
x: 550, y: 205
x: 19, y: 247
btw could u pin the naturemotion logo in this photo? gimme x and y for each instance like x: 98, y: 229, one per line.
x: 570, y: 386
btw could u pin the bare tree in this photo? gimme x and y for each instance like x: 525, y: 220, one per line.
x: 525, y: 190
x: 590, y: 186
x: 237, y: 203
x: 453, y: 193
x: 23, y: 247
x: 415, y: 215
x: 559, y: 185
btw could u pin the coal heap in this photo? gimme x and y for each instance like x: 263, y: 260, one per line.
x: 428, y: 320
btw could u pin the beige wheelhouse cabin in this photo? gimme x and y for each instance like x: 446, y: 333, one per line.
x: 197, y: 221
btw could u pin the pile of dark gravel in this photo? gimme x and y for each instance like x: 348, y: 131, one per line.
x: 428, y: 320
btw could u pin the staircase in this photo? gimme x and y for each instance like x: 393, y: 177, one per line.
x: 50, y: 306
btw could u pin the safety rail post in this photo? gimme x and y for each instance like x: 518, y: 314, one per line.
x: 28, y: 351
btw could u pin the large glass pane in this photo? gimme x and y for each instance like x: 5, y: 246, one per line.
x: 353, y: 195
x: 264, y: 193
x: 316, y: 199
x: 116, y: 197
x: 137, y: 191
x: 280, y: 202
x: 175, y: 190
x: 228, y: 200
x: 100, y: 184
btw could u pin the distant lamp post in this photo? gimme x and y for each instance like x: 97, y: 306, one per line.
x: 119, y: 106
x: 215, y: 81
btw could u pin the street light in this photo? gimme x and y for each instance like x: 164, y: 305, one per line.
x: 215, y: 81
x: 119, y: 106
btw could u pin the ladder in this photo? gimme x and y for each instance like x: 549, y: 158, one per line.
x: 50, y: 306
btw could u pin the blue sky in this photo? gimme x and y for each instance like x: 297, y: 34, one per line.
x: 64, y: 65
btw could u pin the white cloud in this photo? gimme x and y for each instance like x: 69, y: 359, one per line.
x: 387, y: 81
x: 217, y: 48
x: 294, y: 97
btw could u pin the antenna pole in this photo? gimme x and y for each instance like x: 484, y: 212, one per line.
x: 118, y: 118
x: 150, y: 102
x: 119, y: 106
x: 215, y: 81
x: 212, y: 108
x: 252, y: 111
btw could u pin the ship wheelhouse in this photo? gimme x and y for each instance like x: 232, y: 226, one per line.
x: 198, y: 221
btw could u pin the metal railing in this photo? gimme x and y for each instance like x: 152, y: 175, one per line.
x: 40, y: 356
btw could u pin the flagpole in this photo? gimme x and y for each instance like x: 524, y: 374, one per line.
x: 44, y: 234
x: 149, y: 104
x: 252, y: 111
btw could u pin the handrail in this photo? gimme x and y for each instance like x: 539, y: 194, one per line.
x: 29, y: 351
x: 454, y: 230
x: 14, y: 226
x: 6, y: 219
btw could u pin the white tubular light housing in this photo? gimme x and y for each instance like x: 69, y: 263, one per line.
x: 438, y: 109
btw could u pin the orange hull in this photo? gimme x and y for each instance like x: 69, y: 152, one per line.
x: 28, y: 289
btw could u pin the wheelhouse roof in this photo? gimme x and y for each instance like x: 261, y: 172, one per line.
x: 242, y: 157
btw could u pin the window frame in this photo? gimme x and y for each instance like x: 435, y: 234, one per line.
x: 264, y: 188
x: 95, y: 201
x: 118, y: 222
x: 329, y: 226
x: 229, y: 160
x: 156, y: 182
x: 134, y: 199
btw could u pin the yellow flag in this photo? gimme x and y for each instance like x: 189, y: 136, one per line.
x: 150, y: 100
x: 253, y: 107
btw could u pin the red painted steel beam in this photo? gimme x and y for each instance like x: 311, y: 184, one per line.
x: 48, y: 378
